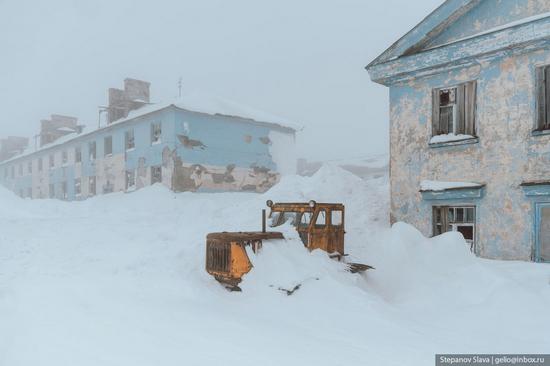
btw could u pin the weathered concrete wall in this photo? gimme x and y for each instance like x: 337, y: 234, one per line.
x: 506, y: 154
x: 488, y: 15
x: 196, y: 152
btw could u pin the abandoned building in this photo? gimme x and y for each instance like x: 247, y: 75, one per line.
x: 470, y: 125
x: 192, y: 144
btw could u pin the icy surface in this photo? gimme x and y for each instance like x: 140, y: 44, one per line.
x: 449, y: 138
x: 120, y: 280
x: 437, y: 185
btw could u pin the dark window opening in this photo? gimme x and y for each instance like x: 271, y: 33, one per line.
x: 543, y: 98
x: 156, y: 174
x: 454, y: 110
x: 108, y: 146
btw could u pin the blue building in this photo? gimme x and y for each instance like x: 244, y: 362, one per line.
x: 470, y: 125
x: 193, y: 144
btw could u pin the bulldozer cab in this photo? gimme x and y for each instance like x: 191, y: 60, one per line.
x: 320, y: 225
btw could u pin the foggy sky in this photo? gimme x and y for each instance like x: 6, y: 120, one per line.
x: 303, y: 60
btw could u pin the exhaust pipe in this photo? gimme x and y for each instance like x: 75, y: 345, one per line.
x: 263, y: 221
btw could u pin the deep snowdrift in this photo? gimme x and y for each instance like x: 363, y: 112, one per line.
x: 119, y: 280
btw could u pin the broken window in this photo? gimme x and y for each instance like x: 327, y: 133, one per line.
x: 156, y: 132
x: 51, y: 191
x: 156, y: 174
x: 64, y: 157
x: 543, y: 98
x: 108, y: 146
x: 91, y: 186
x: 130, y: 179
x: 305, y: 219
x: 77, y: 154
x: 454, y: 110
x: 64, y: 194
x: 456, y: 218
x: 321, y: 219
x: 92, y: 150
x: 129, y: 140
x: 336, y: 217
x: 52, y: 161
x: 77, y: 187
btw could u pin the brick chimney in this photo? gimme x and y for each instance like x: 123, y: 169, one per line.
x: 121, y: 102
x: 11, y: 146
x: 57, y: 126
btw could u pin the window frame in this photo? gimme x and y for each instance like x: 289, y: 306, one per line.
x: 78, y: 154
x: 464, y: 110
x: 105, y: 140
x: 92, y: 153
x: 159, y: 167
x: 444, y: 221
x: 129, y: 140
x: 153, y: 134
x: 542, y: 97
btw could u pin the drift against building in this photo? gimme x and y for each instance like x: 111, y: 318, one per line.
x: 197, y: 143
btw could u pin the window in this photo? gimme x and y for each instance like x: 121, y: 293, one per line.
x: 156, y: 133
x: 454, y: 110
x: 77, y: 154
x: 29, y: 192
x: 77, y: 187
x: 12, y: 173
x: 39, y: 164
x: 336, y: 218
x: 459, y: 218
x: 5, y: 172
x: 51, y: 191
x: 305, y: 219
x: 64, y: 190
x: 156, y: 174
x: 543, y: 98
x: 129, y: 140
x: 21, y: 169
x: 130, y: 179
x: 108, y: 146
x: 29, y: 167
x: 52, y: 161
x: 92, y: 150
x: 64, y: 157
x: 91, y: 186
x: 321, y: 219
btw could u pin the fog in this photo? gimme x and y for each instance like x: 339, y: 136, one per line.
x: 300, y: 60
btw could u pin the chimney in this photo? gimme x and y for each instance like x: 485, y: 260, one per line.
x: 135, y: 95
x: 57, y: 126
x: 11, y: 146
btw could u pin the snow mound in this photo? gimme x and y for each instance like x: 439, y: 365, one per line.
x: 119, y: 280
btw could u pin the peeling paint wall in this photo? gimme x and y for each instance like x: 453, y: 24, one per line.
x: 506, y: 154
x: 196, y: 152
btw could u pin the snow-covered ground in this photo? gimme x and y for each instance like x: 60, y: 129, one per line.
x: 120, y: 280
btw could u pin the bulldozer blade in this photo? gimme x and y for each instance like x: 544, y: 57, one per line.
x: 358, y: 267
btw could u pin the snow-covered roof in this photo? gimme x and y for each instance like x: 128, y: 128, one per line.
x: 214, y: 105
x: 200, y: 103
x: 435, y: 185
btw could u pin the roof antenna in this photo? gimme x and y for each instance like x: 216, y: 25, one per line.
x: 180, y: 84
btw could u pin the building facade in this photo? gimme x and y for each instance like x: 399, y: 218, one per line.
x: 174, y: 144
x: 470, y: 125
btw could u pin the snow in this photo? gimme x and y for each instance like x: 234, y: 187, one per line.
x: 434, y: 185
x: 449, y: 138
x: 119, y: 280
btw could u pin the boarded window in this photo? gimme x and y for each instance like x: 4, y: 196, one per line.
x: 156, y: 174
x: 455, y: 218
x: 543, y: 98
x: 92, y: 150
x: 156, y: 133
x: 129, y: 141
x: 108, y: 146
x: 453, y: 110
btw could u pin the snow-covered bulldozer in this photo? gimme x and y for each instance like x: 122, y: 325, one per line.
x: 320, y: 226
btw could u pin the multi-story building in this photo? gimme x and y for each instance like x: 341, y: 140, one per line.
x: 470, y: 125
x: 192, y: 144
